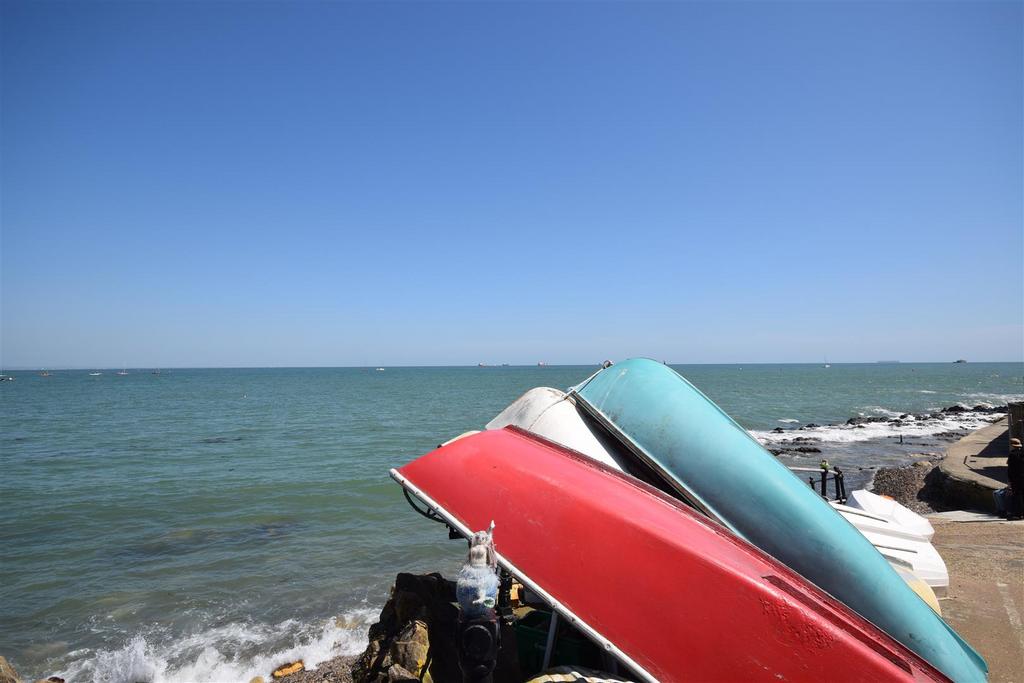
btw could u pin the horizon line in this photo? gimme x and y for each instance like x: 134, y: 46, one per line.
x: 36, y: 368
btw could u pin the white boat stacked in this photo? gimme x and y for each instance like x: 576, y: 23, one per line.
x: 900, y: 535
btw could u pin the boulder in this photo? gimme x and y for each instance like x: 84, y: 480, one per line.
x: 411, y: 647
x: 415, y: 634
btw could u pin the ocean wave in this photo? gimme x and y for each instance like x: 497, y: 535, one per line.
x: 1000, y: 399
x: 845, y: 433
x: 789, y: 420
x: 881, y: 412
x: 213, y: 655
x: 927, y: 391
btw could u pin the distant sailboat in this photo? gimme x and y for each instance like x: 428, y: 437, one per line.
x: 826, y: 365
x: 123, y: 372
x: 44, y: 373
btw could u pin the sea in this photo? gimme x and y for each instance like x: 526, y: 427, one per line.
x: 211, y: 524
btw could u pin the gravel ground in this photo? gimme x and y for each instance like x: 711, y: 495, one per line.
x: 911, y: 486
x: 335, y: 670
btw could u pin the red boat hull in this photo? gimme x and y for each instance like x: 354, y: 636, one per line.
x: 675, y: 596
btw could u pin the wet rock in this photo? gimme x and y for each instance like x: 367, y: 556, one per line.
x: 953, y: 410
x: 7, y: 672
x: 805, y: 449
x: 288, y: 669
x: 778, y: 430
x: 861, y: 420
x: 810, y: 426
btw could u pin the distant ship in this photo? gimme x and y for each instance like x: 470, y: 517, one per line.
x: 123, y: 372
x: 960, y: 360
x: 44, y: 373
x: 95, y: 374
x: 541, y: 364
x: 6, y: 378
x: 380, y: 369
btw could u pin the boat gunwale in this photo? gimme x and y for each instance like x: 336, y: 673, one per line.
x: 555, y: 604
x: 817, y: 598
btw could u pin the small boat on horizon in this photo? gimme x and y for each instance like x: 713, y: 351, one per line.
x: 95, y: 374
x: 44, y: 373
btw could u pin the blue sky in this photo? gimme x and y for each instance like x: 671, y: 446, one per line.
x: 231, y: 184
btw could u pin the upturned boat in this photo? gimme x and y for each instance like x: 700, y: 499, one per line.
x: 709, y: 461
x: 671, y: 595
x: 900, y: 535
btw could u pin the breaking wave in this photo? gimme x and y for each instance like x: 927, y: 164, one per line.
x: 219, y: 654
x: 907, y: 427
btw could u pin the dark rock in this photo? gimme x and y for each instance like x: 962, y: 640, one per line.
x: 778, y: 430
x: 419, y: 617
x: 810, y: 426
x: 805, y: 449
x: 861, y: 420
x: 954, y: 410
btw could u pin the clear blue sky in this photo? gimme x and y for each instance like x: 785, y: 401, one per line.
x: 209, y: 184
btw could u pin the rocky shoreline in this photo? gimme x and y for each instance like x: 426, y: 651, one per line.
x: 399, y: 646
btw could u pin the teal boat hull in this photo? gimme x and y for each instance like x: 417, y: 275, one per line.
x: 714, y: 464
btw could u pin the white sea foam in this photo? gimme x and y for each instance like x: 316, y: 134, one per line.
x: 879, y: 411
x: 996, y: 399
x: 880, y: 430
x: 213, y: 655
x: 789, y: 421
x: 927, y: 391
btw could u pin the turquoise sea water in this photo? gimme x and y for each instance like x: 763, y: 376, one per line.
x: 210, y: 524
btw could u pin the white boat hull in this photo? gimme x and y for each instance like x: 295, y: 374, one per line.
x: 900, y: 535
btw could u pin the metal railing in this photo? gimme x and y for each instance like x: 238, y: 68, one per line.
x: 826, y: 474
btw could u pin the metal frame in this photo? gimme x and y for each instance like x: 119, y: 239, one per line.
x: 562, y: 611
